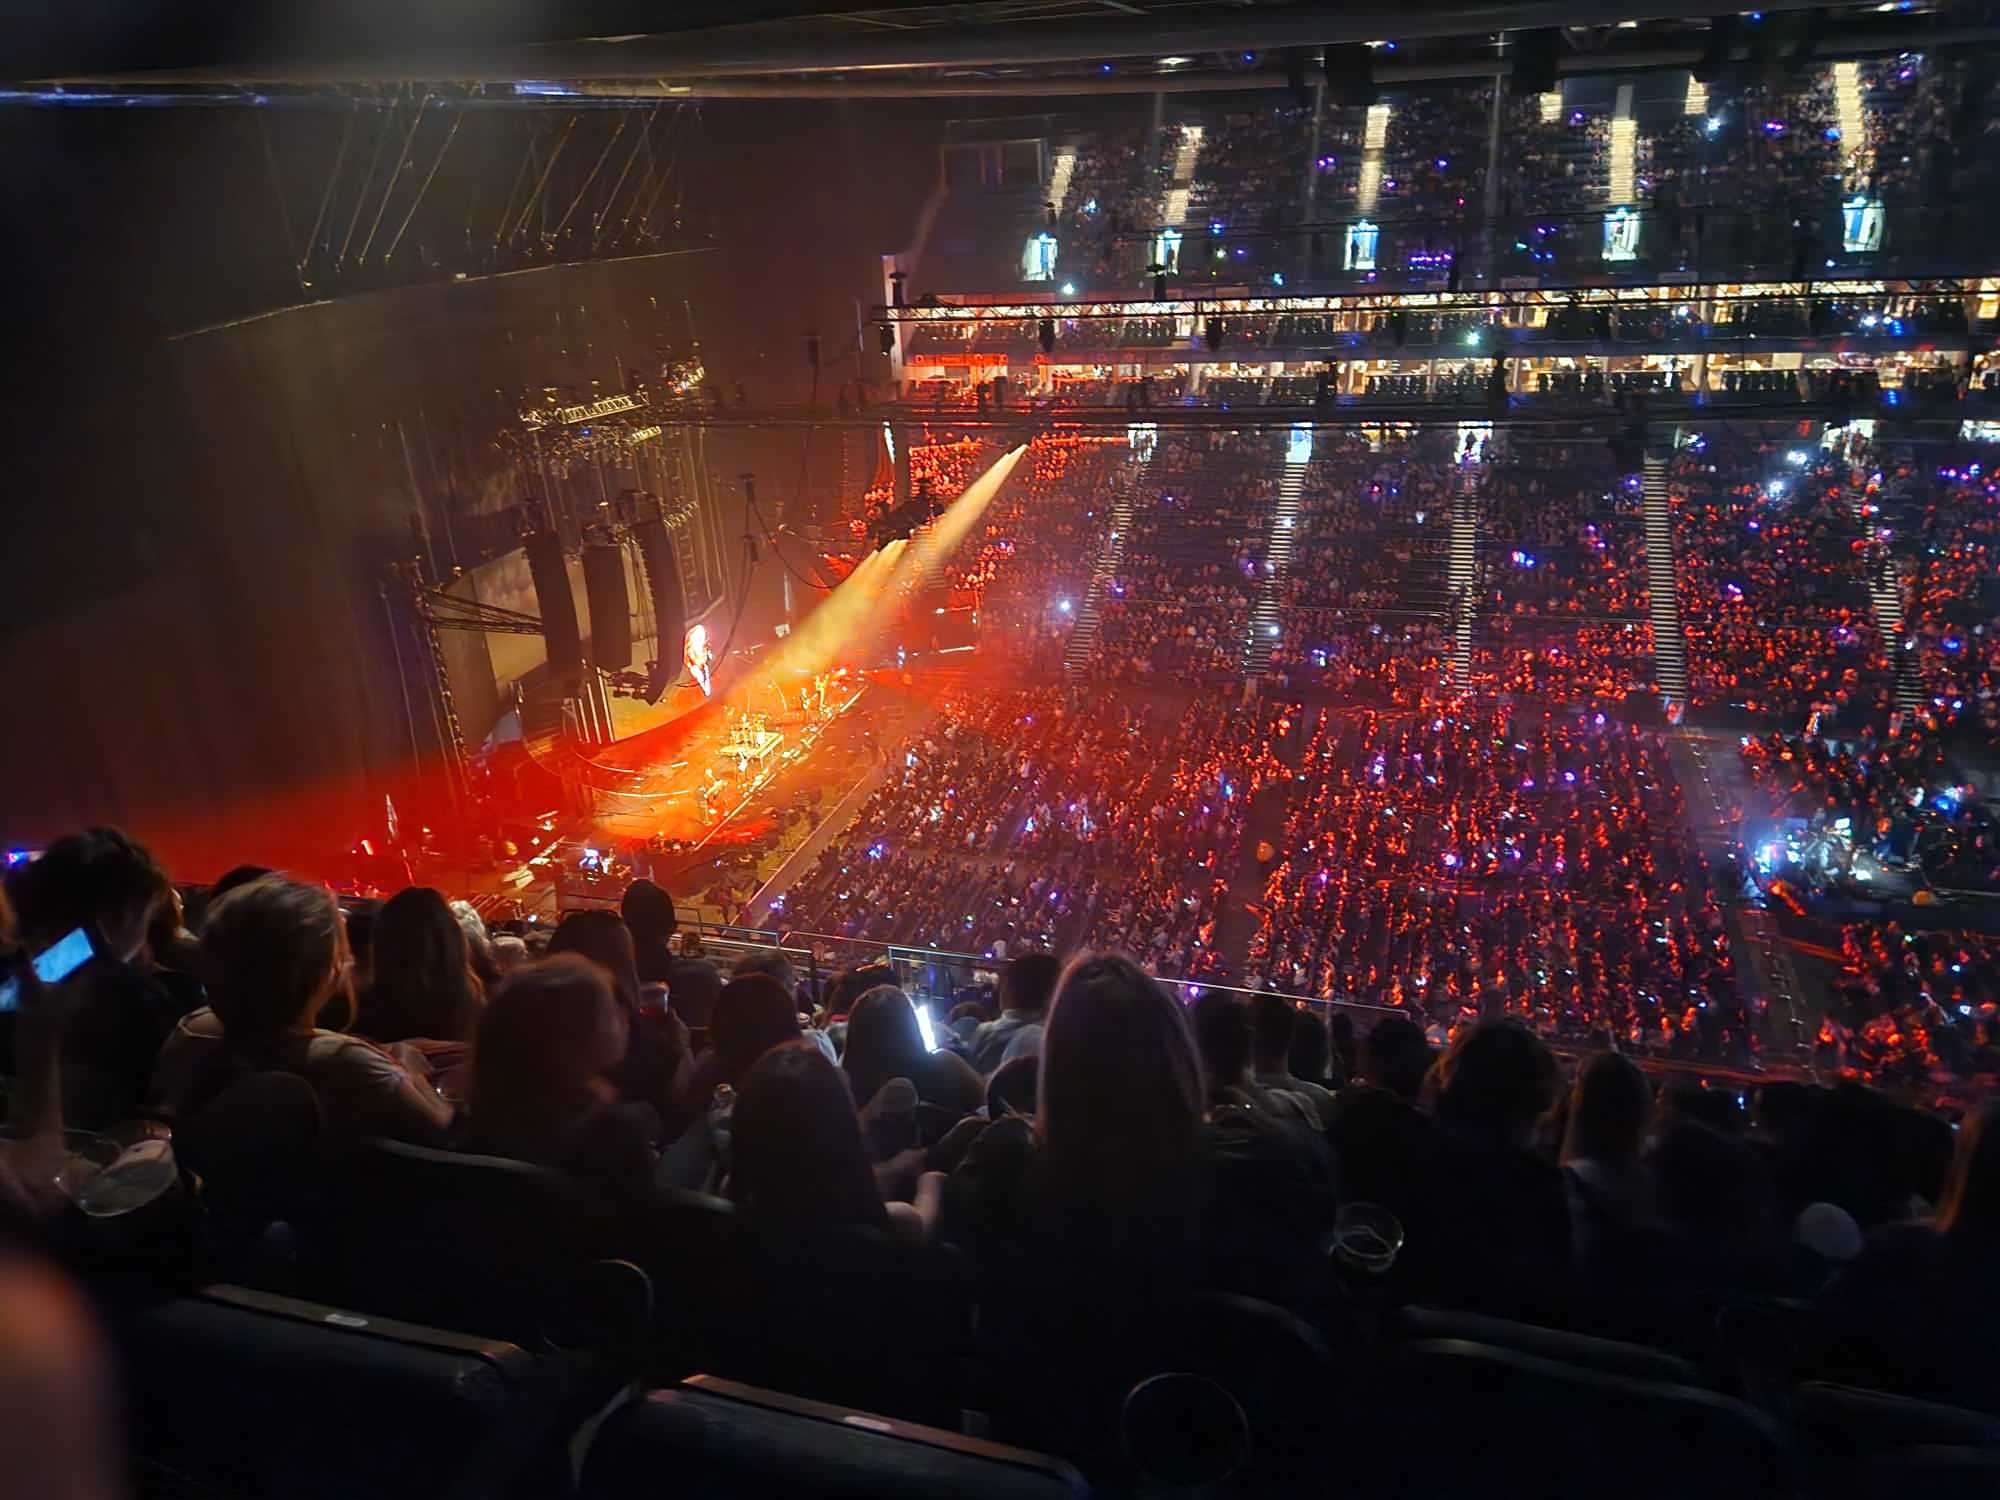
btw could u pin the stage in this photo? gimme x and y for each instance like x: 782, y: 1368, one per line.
x: 713, y: 801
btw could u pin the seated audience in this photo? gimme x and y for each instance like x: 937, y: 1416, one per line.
x: 1914, y: 1313
x: 753, y: 1014
x: 884, y: 1042
x: 1276, y: 1023
x: 423, y: 989
x: 274, y: 954
x: 540, y: 1088
x: 105, y: 884
x: 1025, y: 986
x: 797, y: 1164
x: 656, y: 1051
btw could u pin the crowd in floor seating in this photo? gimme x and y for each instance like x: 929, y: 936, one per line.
x: 1772, y: 582
x: 1936, y: 521
x: 1026, y: 817
x: 1563, y: 536
x: 1915, y: 1004
x: 1459, y: 867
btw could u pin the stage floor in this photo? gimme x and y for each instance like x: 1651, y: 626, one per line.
x: 691, y: 779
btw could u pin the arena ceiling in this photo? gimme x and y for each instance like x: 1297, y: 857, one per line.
x: 618, y: 50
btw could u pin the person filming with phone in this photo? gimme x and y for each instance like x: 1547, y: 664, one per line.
x: 83, y: 908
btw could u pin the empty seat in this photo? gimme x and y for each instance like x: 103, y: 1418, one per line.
x: 479, y: 1243
x: 1606, y: 1356
x: 1869, y: 1444
x: 712, y: 1439
x: 850, y: 1315
x: 1456, y: 1415
x: 235, y: 1392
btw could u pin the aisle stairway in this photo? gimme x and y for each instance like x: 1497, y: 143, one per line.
x: 1278, y: 547
x: 1669, y: 645
x: 1624, y: 150
x: 1462, y: 568
x: 1857, y: 158
x: 1089, y: 615
x: 1174, y: 206
x: 1059, y: 178
x: 1885, y: 599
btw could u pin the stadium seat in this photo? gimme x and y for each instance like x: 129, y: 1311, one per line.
x: 1606, y: 1356
x: 252, y: 1151
x: 479, y: 1243
x: 713, y: 1439
x: 1457, y: 1413
x: 1249, y: 1406
x: 849, y: 1316
x: 235, y: 1392
x: 1866, y: 1444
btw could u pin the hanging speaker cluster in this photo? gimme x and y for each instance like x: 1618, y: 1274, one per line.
x: 610, y: 602
x: 557, y: 606
x: 663, y: 583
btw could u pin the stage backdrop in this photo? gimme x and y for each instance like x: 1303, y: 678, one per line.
x: 223, y: 665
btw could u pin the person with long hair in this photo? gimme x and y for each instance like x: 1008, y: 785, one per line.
x: 274, y: 954
x: 656, y: 1048
x: 540, y: 1089
x: 1914, y: 1312
x: 423, y: 985
x: 1111, y: 1165
x: 753, y: 1015
x: 798, y: 1164
x: 1609, y: 1107
x: 884, y: 1042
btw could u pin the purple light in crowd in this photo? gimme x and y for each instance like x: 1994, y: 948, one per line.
x: 1774, y: 127
x: 1451, y: 861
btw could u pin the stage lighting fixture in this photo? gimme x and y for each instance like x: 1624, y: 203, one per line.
x: 1535, y: 54
x: 1045, y: 335
x: 1159, y: 283
x: 886, y: 338
x: 1350, y: 75
x: 1211, y: 334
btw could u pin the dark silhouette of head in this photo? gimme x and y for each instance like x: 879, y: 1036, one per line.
x: 1396, y: 1056
x: 1119, y: 1102
x: 1609, y: 1106
x: 421, y: 984
x: 883, y: 1041
x: 272, y: 952
x: 98, y: 879
x: 797, y: 1158
x: 547, y: 1038
x: 753, y: 1014
x: 1223, y: 1033
x: 1273, y: 1022
x: 604, y: 939
x: 1496, y: 1081
x: 1028, y: 981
